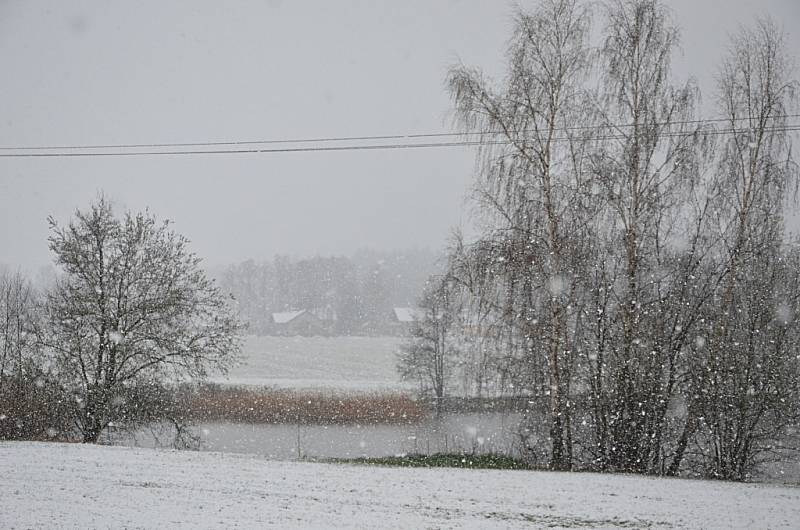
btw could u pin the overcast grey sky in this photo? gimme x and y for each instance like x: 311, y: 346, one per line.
x: 102, y: 72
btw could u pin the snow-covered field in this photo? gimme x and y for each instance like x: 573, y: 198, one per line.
x: 45, y: 485
x: 337, y: 363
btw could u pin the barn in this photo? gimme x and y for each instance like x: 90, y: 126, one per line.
x: 300, y: 322
x: 402, y: 319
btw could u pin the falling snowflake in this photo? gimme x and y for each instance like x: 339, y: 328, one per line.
x: 784, y: 313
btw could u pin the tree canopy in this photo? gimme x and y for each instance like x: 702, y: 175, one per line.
x: 131, y: 309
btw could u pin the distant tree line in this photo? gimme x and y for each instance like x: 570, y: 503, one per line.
x: 633, y: 276
x: 350, y: 295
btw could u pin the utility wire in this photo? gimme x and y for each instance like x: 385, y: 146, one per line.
x: 353, y: 138
x: 62, y: 151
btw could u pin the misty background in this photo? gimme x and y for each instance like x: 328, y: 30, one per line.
x: 602, y: 281
x: 83, y: 73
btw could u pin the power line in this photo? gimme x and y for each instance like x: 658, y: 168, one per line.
x: 349, y: 138
x: 362, y: 147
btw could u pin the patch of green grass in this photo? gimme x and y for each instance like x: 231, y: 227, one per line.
x: 471, y: 461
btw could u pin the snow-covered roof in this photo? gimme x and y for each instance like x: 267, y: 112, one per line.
x: 405, y: 314
x: 287, y: 316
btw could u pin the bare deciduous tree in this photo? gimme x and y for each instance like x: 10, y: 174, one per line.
x: 646, y: 164
x: 18, y: 324
x: 531, y: 187
x: 632, y: 265
x: 131, y: 311
x: 430, y: 354
x: 744, y: 381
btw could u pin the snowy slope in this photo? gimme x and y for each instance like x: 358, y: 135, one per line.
x: 77, y: 486
x: 337, y: 363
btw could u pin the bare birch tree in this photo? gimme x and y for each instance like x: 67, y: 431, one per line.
x: 744, y: 381
x: 530, y: 188
x: 648, y: 159
x: 633, y: 264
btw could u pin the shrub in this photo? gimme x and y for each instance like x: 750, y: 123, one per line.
x: 34, y: 407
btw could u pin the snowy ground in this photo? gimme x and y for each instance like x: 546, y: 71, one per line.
x: 338, y: 363
x: 47, y: 485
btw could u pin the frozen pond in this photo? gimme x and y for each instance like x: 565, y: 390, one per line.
x: 459, y: 432
x: 478, y: 432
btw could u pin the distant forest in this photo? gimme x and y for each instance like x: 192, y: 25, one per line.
x: 351, y: 295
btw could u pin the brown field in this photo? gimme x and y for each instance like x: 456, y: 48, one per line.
x: 266, y: 405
